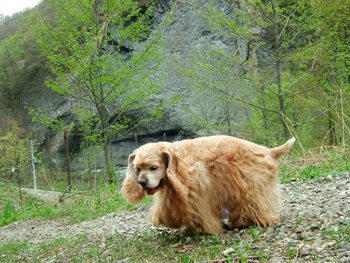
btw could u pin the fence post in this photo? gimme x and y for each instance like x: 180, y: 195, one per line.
x: 33, y: 163
x: 136, y: 140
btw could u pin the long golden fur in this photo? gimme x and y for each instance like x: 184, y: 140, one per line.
x: 195, y: 181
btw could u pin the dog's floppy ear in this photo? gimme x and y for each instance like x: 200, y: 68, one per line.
x: 175, y: 173
x: 131, y: 189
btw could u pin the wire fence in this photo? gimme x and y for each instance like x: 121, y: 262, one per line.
x: 23, y: 162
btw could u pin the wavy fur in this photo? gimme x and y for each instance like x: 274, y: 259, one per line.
x: 205, y: 176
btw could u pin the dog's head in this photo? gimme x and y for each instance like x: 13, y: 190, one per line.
x: 150, y: 168
x: 149, y: 164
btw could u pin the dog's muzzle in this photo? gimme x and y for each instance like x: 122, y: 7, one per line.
x: 151, y: 191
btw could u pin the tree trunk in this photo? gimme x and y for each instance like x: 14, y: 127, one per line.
x: 66, y: 153
x: 283, y: 114
x: 278, y: 77
x: 18, y: 176
x: 331, y: 128
x: 106, y: 148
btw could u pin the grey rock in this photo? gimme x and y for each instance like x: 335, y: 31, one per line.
x: 276, y: 260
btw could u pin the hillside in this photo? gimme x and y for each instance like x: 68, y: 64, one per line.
x: 217, y: 72
x: 84, y: 83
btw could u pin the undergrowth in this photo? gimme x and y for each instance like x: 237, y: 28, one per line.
x: 104, y: 200
x: 315, y: 164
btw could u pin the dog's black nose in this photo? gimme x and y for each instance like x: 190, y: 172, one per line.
x: 143, y: 182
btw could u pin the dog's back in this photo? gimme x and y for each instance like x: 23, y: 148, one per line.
x: 213, y: 146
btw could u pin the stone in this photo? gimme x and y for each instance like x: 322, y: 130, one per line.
x: 228, y: 251
x: 276, y: 260
x: 305, y: 251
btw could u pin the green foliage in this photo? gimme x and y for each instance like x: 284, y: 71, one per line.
x: 215, y: 78
x: 101, y: 54
x: 102, y: 201
x: 8, y: 214
x: 291, y: 251
x: 316, y: 164
x: 279, y: 67
x: 14, y: 157
x: 338, y: 233
x: 146, y: 247
x: 20, y: 58
x: 84, y: 46
x: 12, y: 209
x: 53, y: 124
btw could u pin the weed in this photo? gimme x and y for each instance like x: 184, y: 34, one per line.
x: 298, y: 220
x: 255, y: 232
x: 291, y: 251
x: 338, y: 233
x: 8, y: 214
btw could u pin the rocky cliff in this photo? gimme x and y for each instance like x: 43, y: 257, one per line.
x: 185, y: 32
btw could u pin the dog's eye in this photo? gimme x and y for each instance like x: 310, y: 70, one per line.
x: 137, y: 170
x: 153, y: 168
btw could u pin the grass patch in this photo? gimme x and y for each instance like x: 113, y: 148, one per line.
x: 105, y: 200
x: 10, y: 252
x: 12, y: 208
x: 338, y: 233
x: 316, y: 164
x: 147, y: 247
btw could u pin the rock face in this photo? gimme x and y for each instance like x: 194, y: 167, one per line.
x: 185, y: 32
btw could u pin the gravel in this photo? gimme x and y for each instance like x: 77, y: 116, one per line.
x: 315, y: 221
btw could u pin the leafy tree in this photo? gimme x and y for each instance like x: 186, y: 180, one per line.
x: 326, y: 50
x: 277, y: 75
x: 14, y: 156
x: 98, y: 57
x: 213, y: 74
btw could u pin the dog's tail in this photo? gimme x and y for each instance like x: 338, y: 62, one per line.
x: 283, y: 149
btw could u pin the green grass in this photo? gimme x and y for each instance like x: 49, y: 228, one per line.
x: 248, y: 245
x: 167, y: 246
x: 147, y: 247
x: 315, y: 164
x: 104, y: 200
x: 338, y: 233
x: 10, y: 252
x: 291, y: 251
x: 12, y: 209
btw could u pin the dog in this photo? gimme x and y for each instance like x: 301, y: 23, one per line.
x: 194, y: 182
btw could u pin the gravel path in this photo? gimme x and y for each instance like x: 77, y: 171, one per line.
x: 316, y: 219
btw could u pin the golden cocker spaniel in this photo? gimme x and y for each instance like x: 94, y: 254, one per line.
x: 195, y: 182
